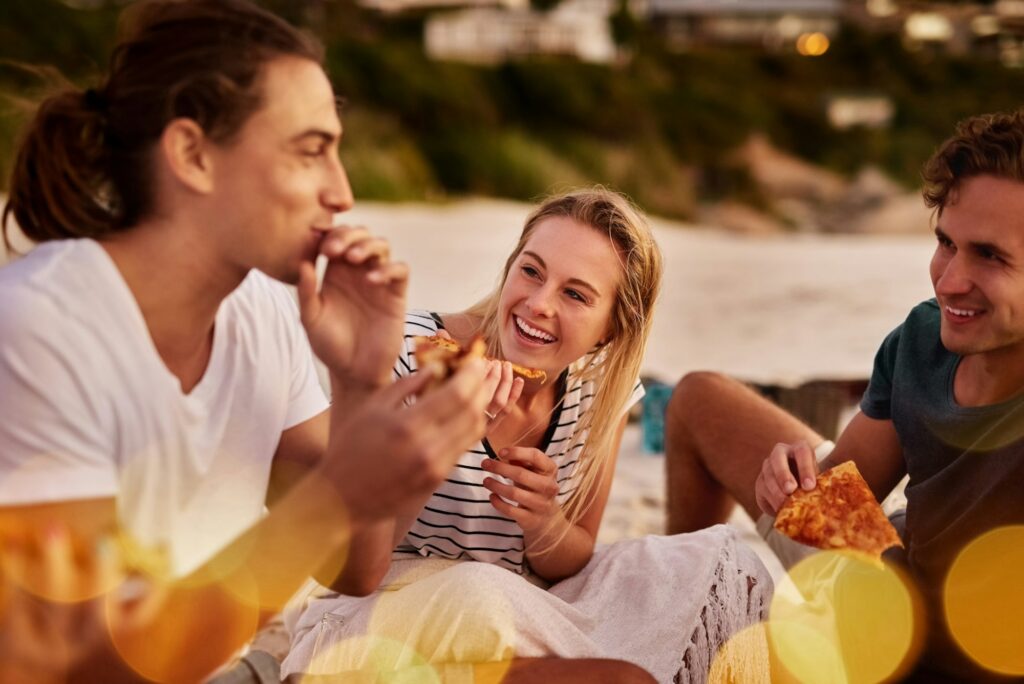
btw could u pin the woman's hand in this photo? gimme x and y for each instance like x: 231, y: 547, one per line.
x: 509, y: 389
x: 356, y: 318
x: 533, y: 490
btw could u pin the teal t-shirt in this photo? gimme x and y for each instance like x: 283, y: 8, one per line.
x: 966, y: 464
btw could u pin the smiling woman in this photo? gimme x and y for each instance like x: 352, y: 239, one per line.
x: 500, y: 561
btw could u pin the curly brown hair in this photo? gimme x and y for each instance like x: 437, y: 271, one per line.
x: 989, y: 144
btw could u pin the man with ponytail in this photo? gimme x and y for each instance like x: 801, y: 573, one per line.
x: 156, y: 385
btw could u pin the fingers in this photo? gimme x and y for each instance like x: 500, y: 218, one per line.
x: 506, y: 380
x: 545, y: 485
x: 58, y: 572
x: 517, y: 496
x: 457, y: 406
x: 806, y: 464
x: 778, y: 464
x: 777, y: 481
x: 355, y: 244
x: 394, y: 395
x: 309, y: 302
x: 534, y: 459
x: 394, y: 274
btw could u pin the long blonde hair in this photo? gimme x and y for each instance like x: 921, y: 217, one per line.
x: 616, y: 366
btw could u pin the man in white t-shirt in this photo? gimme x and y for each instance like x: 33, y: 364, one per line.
x: 156, y: 389
x: 155, y: 383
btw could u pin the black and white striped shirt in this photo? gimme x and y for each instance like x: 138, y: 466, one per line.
x: 458, y: 521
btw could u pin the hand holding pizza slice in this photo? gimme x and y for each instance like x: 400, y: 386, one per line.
x: 839, y: 513
x: 441, y: 356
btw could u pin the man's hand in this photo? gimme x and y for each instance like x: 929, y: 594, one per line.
x: 52, y: 611
x: 387, y: 452
x: 355, y: 320
x: 776, y: 481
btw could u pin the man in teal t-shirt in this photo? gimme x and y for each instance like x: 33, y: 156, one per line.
x: 945, y: 405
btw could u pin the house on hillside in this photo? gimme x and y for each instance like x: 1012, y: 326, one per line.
x: 575, y: 28
x: 774, y: 24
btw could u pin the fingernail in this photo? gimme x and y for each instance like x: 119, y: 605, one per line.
x: 789, y: 487
x: 808, y: 483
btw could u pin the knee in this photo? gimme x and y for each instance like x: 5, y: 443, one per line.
x: 691, y: 395
x: 694, y: 389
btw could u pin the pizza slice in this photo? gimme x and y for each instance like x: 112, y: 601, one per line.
x: 442, y: 357
x: 839, y: 513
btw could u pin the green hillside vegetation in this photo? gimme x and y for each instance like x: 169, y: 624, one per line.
x: 660, y: 127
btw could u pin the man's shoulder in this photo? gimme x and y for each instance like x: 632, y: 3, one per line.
x: 925, y: 313
x: 36, y: 288
x: 921, y: 324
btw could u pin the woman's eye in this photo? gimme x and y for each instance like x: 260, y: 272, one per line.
x: 530, y: 271
x: 573, y: 294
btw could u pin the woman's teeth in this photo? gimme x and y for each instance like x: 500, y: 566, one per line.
x: 530, y: 331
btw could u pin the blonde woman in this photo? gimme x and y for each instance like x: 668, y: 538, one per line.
x: 500, y: 562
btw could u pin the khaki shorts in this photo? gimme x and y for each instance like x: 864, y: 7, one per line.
x: 785, y: 549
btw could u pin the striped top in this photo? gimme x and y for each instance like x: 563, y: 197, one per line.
x: 458, y: 521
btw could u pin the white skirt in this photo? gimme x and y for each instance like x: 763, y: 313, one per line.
x: 666, y: 604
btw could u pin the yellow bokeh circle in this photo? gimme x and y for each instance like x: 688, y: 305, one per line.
x: 984, y: 600
x: 743, y: 658
x: 842, y: 617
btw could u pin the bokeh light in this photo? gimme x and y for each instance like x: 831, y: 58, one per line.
x: 984, y: 600
x: 63, y: 569
x: 842, y: 617
x: 742, y: 659
x: 812, y: 44
x: 438, y: 612
x: 156, y: 634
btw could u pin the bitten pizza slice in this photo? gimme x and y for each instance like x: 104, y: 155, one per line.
x: 839, y: 513
x: 442, y: 356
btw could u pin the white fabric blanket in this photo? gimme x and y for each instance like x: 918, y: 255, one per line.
x: 666, y: 604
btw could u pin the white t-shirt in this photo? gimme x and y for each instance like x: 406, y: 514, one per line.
x: 89, y: 410
x: 459, y: 521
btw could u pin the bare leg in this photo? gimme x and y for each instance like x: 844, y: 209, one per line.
x: 718, y: 432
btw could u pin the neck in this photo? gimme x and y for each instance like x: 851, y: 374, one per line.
x: 989, y: 378
x: 178, y: 282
